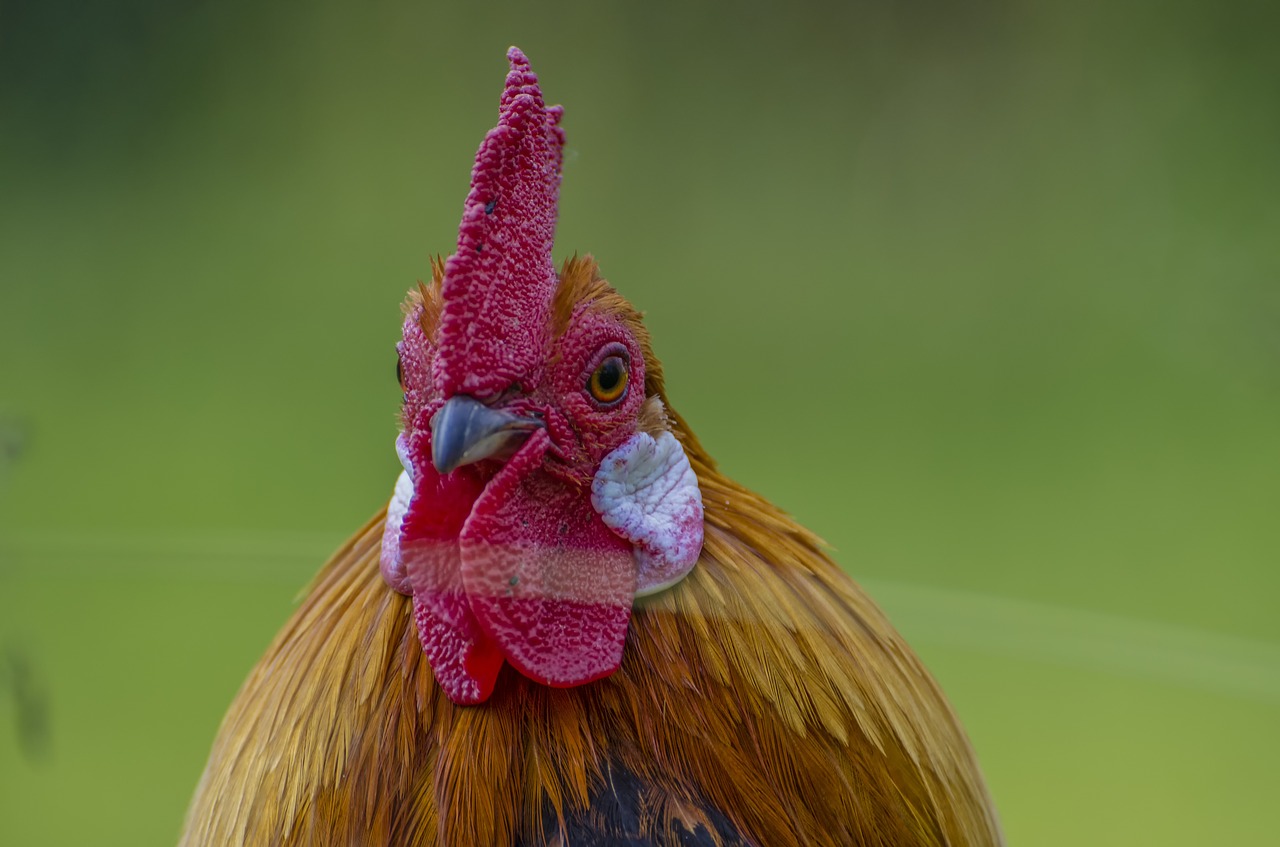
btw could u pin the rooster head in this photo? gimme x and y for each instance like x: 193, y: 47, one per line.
x: 543, y: 489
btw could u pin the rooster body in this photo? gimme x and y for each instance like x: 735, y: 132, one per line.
x: 449, y: 680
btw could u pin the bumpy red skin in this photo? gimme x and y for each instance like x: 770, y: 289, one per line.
x: 549, y: 582
x: 465, y: 660
x: 509, y: 561
x: 498, y: 285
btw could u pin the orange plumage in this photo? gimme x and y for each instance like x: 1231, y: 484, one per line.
x: 762, y: 700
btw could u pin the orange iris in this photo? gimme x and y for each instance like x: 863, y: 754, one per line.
x: 609, y: 382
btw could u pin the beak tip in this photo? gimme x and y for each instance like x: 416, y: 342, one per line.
x: 443, y: 467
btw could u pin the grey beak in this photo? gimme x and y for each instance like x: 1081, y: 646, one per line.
x: 466, y: 430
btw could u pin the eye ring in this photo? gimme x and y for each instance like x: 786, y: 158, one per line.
x: 608, y: 383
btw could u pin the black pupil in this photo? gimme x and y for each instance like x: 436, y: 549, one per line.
x: 610, y: 375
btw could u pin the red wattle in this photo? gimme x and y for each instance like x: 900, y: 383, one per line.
x: 546, y: 579
x: 464, y: 659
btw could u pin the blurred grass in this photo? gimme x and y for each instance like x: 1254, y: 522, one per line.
x: 987, y: 296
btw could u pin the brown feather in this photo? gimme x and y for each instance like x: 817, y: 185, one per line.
x: 766, y: 689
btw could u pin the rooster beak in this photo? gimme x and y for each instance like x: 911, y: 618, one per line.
x: 466, y: 430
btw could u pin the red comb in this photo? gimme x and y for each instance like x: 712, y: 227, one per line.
x: 498, y: 286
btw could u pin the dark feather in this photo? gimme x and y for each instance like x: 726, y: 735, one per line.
x: 624, y: 811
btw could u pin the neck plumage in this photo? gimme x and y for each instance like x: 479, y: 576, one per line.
x: 766, y: 684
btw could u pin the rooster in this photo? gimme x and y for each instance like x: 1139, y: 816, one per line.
x: 568, y: 627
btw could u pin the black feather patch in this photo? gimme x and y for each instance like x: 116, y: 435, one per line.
x: 627, y: 812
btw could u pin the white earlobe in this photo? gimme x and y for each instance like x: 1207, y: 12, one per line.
x: 393, y: 570
x: 646, y: 491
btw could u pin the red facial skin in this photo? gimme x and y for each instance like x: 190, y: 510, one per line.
x: 508, y: 561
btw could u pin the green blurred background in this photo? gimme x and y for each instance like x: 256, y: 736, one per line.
x: 987, y: 296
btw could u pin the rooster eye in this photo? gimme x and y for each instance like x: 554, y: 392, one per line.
x: 609, y: 382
